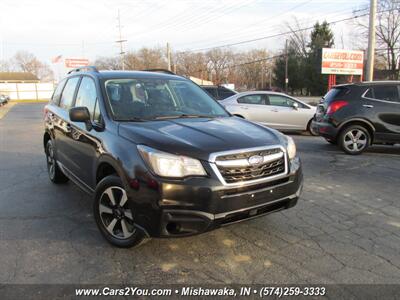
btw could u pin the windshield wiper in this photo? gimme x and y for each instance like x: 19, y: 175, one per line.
x: 132, y: 119
x: 182, y: 116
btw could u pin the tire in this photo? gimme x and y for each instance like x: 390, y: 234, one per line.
x: 112, y: 214
x: 354, y: 139
x: 55, y: 173
x: 311, y: 130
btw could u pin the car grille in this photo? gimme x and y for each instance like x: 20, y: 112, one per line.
x: 234, y: 168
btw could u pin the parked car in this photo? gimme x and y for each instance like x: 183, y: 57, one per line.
x: 161, y: 157
x: 276, y: 110
x: 356, y: 115
x: 4, y: 99
x: 218, y: 92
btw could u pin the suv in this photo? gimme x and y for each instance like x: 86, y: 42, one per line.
x: 357, y: 115
x: 218, y: 92
x: 161, y: 157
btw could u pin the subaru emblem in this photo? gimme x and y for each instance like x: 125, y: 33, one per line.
x: 255, y: 160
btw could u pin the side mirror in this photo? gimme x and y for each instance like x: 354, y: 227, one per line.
x: 295, y: 105
x: 80, y: 114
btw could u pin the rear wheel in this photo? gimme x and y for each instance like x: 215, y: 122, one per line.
x: 113, y: 214
x: 55, y: 173
x: 354, y: 139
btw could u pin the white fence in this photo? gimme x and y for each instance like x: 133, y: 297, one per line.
x: 27, y: 91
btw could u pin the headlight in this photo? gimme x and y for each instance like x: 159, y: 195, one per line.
x: 170, y: 165
x: 291, y: 147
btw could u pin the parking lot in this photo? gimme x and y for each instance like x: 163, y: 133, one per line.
x: 345, y: 228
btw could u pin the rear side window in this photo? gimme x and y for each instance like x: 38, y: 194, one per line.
x: 386, y: 93
x: 252, y: 99
x: 335, y: 93
x: 68, y: 93
x: 224, y: 93
x: 87, y: 95
x: 55, y: 99
x: 211, y: 91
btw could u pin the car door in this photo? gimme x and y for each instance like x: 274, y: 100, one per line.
x: 381, y: 105
x: 253, y: 108
x: 85, y: 142
x: 61, y: 123
x: 286, y: 116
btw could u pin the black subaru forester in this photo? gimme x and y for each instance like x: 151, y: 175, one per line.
x: 161, y: 157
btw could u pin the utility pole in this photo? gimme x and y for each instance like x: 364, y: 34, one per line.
x: 286, y: 66
x: 371, y: 41
x: 121, y: 41
x: 169, y: 57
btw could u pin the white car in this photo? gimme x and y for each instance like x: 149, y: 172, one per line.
x: 276, y: 110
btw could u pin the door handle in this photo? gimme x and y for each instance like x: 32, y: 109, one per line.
x: 274, y: 110
x: 244, y: 107
x: 368, y: 106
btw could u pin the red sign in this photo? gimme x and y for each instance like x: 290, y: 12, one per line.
x: 343, y: 62
x: 76, y: 62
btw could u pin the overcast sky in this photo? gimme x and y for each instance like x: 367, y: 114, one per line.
x: 76, y: 28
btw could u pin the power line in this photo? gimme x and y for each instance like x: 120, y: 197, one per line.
x: 276, y: 35
x: 247, y: 33
x: 271, y: 18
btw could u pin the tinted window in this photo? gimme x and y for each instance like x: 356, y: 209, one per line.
x: 55, y: 99
x: 87, y: 94
x: 224, y: 93
x: 147, y: 99
x: 387, y: 93
x: 211, y: 90
x: 334, y: 93
x: 252, y: 99
x: 68, y: 93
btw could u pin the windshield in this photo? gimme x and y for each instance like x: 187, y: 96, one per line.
x: 152, y: 99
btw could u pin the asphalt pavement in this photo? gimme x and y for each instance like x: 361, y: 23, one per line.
x: 345, y: 228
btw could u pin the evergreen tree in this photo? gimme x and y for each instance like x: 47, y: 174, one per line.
x: 321, y: 37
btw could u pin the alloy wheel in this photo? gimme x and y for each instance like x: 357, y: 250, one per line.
x: 115, y: 214
x: 51, y: 162
x: 355, y: 140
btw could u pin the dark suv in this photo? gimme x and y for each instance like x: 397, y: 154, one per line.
x: 161, y: 157
x: 357, y: 115
x: 218, y: 92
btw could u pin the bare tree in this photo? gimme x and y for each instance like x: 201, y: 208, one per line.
x: 299, y: 38
x: 107, y: 63
x: 387, y: 34
x: 27, y: 62
x: 218, y: 63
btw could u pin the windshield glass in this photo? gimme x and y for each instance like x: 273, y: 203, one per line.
x: 150, y: 99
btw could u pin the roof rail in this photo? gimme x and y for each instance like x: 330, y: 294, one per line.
x: 160, y: 71
x: 84, y: 68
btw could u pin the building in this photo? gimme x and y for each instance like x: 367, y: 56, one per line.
x: 18, y: 77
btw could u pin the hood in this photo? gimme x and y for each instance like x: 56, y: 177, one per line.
x: 198, y: 138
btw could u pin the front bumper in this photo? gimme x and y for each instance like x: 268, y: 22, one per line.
x: 198, y: 205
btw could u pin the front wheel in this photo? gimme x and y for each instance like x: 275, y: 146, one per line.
x: 113, y: 215
x: 354, y: 139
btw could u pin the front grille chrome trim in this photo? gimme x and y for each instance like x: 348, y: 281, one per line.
x: 214, y: 164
